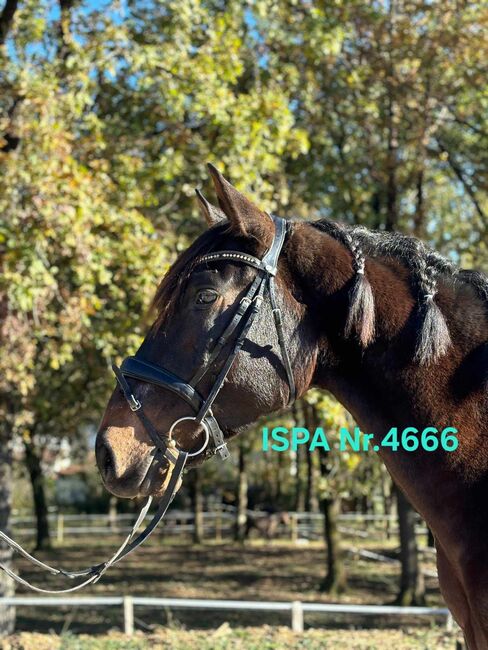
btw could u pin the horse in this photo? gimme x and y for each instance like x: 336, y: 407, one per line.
x: 266, y: 524
x: 396, y: 332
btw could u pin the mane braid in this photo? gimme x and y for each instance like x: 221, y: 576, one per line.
x: 361, y: 317
x: 433, y: 338
x: 426, y: 266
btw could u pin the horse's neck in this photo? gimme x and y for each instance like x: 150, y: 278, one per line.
x: 382, y: 386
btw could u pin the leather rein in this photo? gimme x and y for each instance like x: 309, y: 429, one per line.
x: 165, y: 448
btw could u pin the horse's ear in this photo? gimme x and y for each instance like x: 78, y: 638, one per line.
x: 245, y: 218
x: 211, y: 213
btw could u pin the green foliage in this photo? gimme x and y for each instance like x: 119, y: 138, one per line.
x: 367, y: 112
x: 350, y: 473
x: 77, y: 270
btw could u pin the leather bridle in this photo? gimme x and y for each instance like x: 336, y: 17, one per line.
x: 165, y: 448
x: 238, y: 327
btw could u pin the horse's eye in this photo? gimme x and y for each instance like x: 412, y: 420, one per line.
x: 206, y: 297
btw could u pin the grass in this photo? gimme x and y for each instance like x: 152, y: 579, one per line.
x: 225, y: 638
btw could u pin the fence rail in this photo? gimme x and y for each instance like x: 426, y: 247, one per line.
x: 302, y: 525
x: 296, y: 608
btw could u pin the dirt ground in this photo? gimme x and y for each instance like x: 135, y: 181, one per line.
x: 255, y: 571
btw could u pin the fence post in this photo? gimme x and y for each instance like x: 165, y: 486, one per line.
x: 112, y: 514
x: 128, y: 616
x: 449, y: 622
x: 296, y: 616
x: 294, y: 527
x: 60, y: 528
x: 218, y: 525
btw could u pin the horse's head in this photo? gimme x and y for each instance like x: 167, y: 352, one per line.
x: 196, y: 304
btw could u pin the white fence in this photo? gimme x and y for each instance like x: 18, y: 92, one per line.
x: 297, y: 609
x: 216, y: 524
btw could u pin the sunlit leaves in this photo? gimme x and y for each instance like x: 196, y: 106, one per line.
x: 299, y: 103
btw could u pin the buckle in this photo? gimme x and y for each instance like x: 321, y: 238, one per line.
x: 134, y: 403
x: 223, y: 451
x: 257, y: 302
x: 277, y: 316
x: 243, y: 305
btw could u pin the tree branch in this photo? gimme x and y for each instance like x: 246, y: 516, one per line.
x: 7, y: 18
x: 465, y: 182
x: 12, y: 140
x: 65, y: 38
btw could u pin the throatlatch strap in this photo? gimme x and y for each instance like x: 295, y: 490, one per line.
x: 281, y: 339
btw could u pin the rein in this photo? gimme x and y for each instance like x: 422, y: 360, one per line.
x: 94, y: 573
x: 165, y: 449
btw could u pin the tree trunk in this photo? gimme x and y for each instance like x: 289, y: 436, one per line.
x: 391, y: 171
x: 301, y: 485
x: 388, y: 502
x: 335, y: 579
x: 311, y: 503
x: 279, y: 480
x: 419, y: 218
x: 7, y: 613
x: 7, y: 18
x: 299, y: 491
x: 197, y: 501
x: 392, y: 151
x: 33, y: 464
x: 241, y: 521
x: 65, y: 37
x: 412, y: 588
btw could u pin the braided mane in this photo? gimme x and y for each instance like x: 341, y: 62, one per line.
x: 426, y: 267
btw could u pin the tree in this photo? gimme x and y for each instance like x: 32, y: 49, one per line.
x: 34, y: 468
x: 318, y: 413
x: 335, y: 579
x: 76, y: 272
x: 370, y: 113
x: 197, y: 503
x: 412, y: 587
x: 7, y: 614
x: 242, y: 488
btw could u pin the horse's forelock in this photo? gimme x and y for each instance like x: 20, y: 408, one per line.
x: 173, y: 283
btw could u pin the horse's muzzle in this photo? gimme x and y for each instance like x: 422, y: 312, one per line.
x: 126, y: 466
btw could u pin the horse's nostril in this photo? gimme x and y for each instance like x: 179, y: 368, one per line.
x: 108, y: 462
x: 105, y: 460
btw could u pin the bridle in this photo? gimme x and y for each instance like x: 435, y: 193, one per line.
x: 164, y: 446
x: 239, y: 326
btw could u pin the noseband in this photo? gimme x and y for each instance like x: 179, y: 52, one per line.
x: 164, y: 445
x: 237, y: 331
